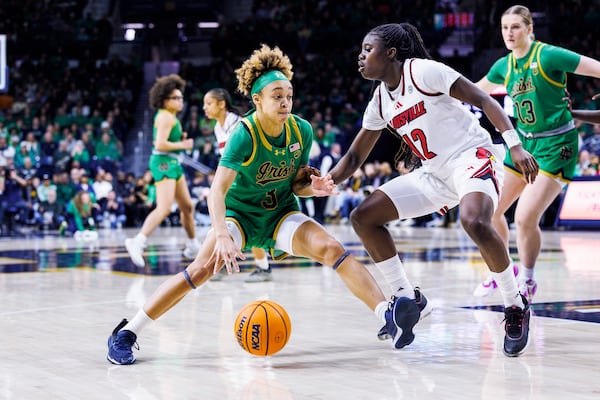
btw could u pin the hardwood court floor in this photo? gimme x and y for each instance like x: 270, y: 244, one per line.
x: 60, y: 299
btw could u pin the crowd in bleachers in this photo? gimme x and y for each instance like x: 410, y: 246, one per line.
x: 69, y: 107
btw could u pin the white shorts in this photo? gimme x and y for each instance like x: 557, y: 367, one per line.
x: 285, y: 232
x: 422, y: 192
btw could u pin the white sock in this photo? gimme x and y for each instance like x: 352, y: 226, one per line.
x: 141, y: 238
x: 191, y: 242
x: 508, y: 287
x: 138, y: 322
x: 262, y: 263
x: 394, y: 274
x: 380, y: 310
x: 528, y: 272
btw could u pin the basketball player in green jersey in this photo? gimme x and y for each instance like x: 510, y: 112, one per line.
x: 535, y: 77
x: 253, y: 203
x: 168, y: 140
x: 219, y: 107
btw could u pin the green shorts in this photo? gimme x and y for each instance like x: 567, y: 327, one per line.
x: 259, y: 230
x: 556, y: 155
x: 164, y: 167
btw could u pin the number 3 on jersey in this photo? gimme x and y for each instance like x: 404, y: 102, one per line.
x: 271, y: 202
x: 418, y: 136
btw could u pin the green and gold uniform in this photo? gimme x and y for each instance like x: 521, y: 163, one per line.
x: 165, y: 165
x: 536, y: 83
x: 261, y: 194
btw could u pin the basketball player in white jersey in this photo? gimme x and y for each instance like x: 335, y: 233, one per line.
x: 419, y: 100
x: 218, y: 106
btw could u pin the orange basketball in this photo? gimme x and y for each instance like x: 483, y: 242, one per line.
x: 262, y: 328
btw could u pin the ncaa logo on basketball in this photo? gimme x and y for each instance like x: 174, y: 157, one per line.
x: 256, y: 336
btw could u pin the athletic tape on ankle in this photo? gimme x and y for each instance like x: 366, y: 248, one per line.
x: 340, y: 260
x: 187, y: 277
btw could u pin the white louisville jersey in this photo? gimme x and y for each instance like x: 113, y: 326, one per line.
x: 436, y: 126
x: 222, y: 132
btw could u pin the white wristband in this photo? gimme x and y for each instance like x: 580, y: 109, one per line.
x: 511, y: 138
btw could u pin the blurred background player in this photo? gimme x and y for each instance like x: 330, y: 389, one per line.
x: 166, y: 96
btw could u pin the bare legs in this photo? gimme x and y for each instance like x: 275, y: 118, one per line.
x: 167, y: 191
x: 176, y: 287
x: 313, y: 241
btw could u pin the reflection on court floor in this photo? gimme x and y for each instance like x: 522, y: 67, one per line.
x: 61, y: 299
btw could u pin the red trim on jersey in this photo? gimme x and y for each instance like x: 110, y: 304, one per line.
x: 414, y: 83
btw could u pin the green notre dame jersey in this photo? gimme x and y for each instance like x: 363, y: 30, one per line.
x: 261, y: 194
x: 536, y: 83
x: 163, y: 166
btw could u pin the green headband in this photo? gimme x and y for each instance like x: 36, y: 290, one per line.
x: 265, y: 79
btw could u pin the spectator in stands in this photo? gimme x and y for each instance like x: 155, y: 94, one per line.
x: 51, y: 211
x: 46, y: 186
x: 112, y: 211
x: 145, y: 198
x: 15, y: 208
x: 102, y: 184
x: 82, y: 213
x: 62, y: 156
x: 32, y: 144
x: 26, y: 168
x: 386, y: 173
x: 65, y: 188
x: 107, y: 152
x: 125, y: 187
x: 81, y: 155
x: 48, y: 146
x: 6, y: 151
x: 324, y: 206
x: 84, y: 184
x: 352, y: 195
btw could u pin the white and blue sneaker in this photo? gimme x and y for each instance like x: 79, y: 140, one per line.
x: 401, y: 316
x: 120, y: 345
x: 425, y: 309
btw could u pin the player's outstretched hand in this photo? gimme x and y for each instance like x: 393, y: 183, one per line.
x: 225, y: 253
x: 323, y: 185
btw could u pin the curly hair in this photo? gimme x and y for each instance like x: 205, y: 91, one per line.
x: 261, y: 61
x: 163, y: 87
